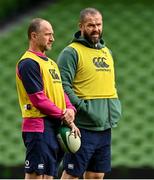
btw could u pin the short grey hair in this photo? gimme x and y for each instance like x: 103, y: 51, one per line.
x: 86, y: 11
x: 34, y: 26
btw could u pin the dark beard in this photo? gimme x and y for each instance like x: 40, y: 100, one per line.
x: 89, y: 39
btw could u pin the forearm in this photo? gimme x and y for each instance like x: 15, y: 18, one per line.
x: 44, y: 105
x: 68, y: 62
x: 75, y: 100
x: 68, y: 103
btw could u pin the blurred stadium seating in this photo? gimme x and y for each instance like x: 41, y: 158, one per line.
x: 13, y: 8
x: 128, y: 31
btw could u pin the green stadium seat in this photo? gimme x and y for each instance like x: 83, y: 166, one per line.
x: 128, y: 32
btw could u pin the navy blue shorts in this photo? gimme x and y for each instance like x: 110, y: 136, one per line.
x: 94, y: 154
x: 43, y: 153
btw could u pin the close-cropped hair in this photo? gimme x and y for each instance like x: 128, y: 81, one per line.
x: 87, y: 11
x: 34, y: 26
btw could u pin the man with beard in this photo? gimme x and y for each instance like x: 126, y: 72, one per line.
x: 87, y: 72
x: 43, y: 103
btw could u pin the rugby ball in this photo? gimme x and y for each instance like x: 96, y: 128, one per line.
x: 67, y: 140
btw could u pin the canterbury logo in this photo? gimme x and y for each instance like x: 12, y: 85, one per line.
x: 99, y: 62
x: 54, y: 74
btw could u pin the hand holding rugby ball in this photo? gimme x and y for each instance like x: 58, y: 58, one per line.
x: 67, y: 140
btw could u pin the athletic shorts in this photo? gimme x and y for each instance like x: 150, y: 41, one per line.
x: 43, y: 153
x: 94, y: 154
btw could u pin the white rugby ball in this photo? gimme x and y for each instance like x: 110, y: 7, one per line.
x: 67, y: 140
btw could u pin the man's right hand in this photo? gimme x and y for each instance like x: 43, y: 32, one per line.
x: 68, y: 116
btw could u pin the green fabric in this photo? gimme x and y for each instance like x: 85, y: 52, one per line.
x: 82, y: 40
x: 97, y: 114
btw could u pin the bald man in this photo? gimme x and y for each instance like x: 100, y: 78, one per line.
x: 43, y: 103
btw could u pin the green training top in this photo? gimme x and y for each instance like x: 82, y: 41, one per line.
x: 96, y: 100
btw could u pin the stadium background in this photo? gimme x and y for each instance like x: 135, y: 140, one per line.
x: 128, y: 31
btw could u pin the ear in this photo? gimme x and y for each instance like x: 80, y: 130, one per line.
x: 33, y: 35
